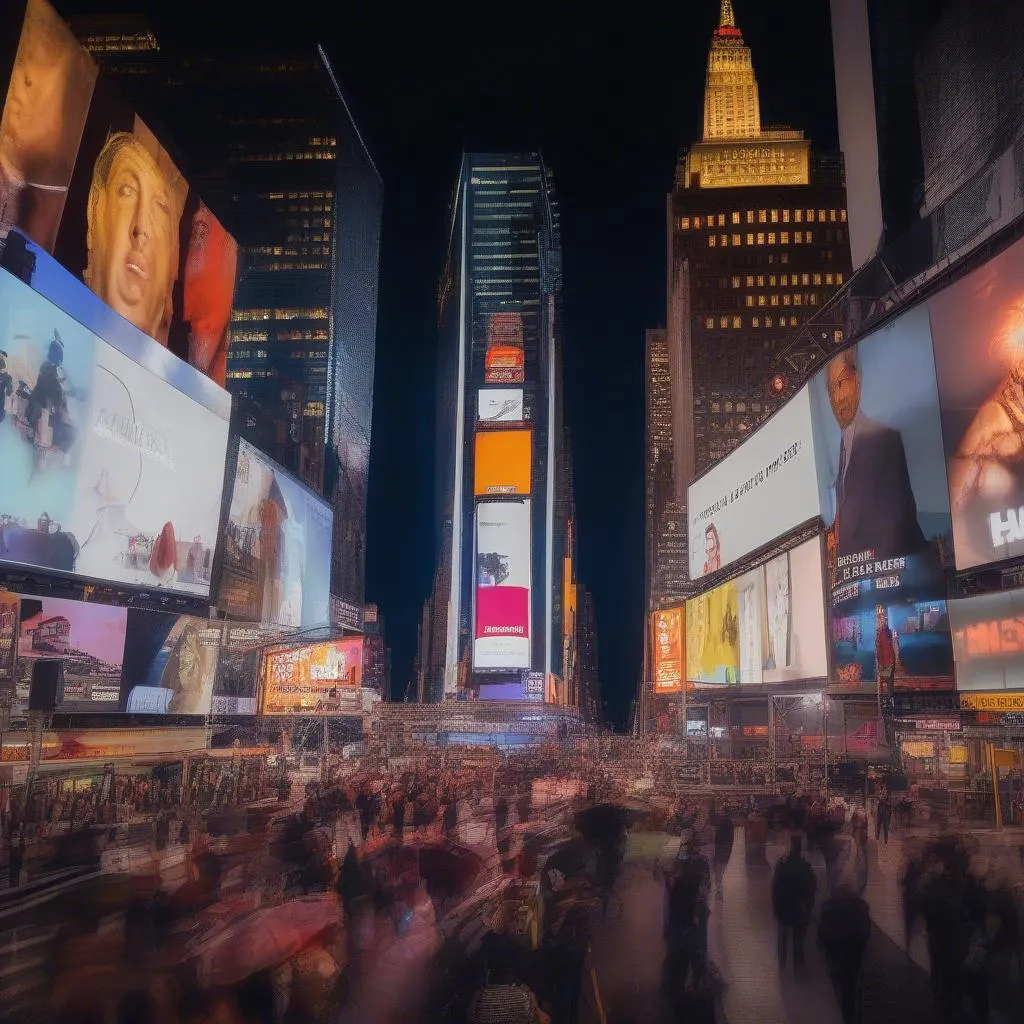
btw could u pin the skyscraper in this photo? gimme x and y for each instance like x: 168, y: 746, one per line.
x: 494, y: 616
x: 281, y: 159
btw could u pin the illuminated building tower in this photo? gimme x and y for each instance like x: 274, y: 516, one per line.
x: 757, y: 243
x: 271, y: 143
x: 494, y: 616
x: 590, y: 701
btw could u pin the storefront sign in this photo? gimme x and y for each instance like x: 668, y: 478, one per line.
x: 925, y: 703
x: 945, y: 724
x: 992, y: 701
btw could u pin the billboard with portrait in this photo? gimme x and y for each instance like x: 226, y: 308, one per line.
x: 762, y: 490
x: 879, y: 441
x: 170, y: 663
x: 503, y: 462
x: 977, y: 328
x: 667, y: 642
x: 317, y: 679
x: 503, y: 568
x: 500, y: 405
x: 793, y: 642
x: 88, y: 638
x: 988, y: 640
x: 724, y: 633
x: 85, y: 179
x: 275, y: 562
x: 110, y: 473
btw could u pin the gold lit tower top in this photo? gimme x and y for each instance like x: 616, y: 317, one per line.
x: 735, y: 150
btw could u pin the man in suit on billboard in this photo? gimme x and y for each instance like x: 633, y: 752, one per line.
x: 875, y: 505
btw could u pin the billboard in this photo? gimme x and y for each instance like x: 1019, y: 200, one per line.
x: 500, y: 405
x: 503, y: 461
x: 504, y: 364
x: 502, y: 612
x: 879, y: 444
x: 977, y: 327
x: 318, y: 679
x: 667, y: 642
x: 236, y: 683
x: 86, y: 179
x: 988, y: 640
x: 275, y: 565
x: 762, y: 490
x: 170, y: 663
x: 88, y: 638
x: 110, y: 472
x: 724, y: 633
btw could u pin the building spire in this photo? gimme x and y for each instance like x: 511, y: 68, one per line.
x: 727, y: 19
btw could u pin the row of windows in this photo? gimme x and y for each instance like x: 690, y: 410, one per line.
x: 737, y: 322
x: 763, y: 238
x: 298, y: 195
x: 796, y: 299
x: 251, y: 374
x: 712, y: 220
x: 286, y: 250
x: 247, y: 337
x: 275, y: 266
x: 755, y: 407
x: 273, y: 158
x: 321, y: 313
x: 784, y: 280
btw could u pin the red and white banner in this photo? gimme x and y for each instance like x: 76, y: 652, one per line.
x: 502, y: 634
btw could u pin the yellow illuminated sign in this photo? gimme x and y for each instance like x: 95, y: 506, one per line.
x: 992, y: 701
x: 503, y: 462
x: 730, y: 164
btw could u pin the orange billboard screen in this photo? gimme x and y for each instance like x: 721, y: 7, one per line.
x: 504, y: 364
x: 318, y: 679
x: 667, y: 641
x: 503, y: 461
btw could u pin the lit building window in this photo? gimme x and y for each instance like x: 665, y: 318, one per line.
x: 737, y: 322
x: 750, y: 216
x: 760, y: 238
x: 842, y: 216
x: 775, y: 216
x: 721, y: 220
x: 736, y: 240
x: 684, y: 224
x: 711, y: 241
x: 798, y: 299
x: 775, y: 300
x: 809, y: 237
x: 786, y: 300
x: 750, y: 280
x: 750, y: 300
x: 762, y: 216
x: 768, y: 322
x: 784, y: 237
x: 696, y: 222
x: 837, y: 336
x: 810, y: 216
x: 755, y: 321
x: 760, y: 280
x: 709, y: 323
x: 761, y: 300
x: 750, y: 238
x: 814, y: 299
x: 736, y: 282
x: 771, y: 237
x: 832, y: 216
x: 724, y: 240
x: 735, y: 217
x: 839, y: 278
x: 784, y: 280
x: 821, y: 216
x: 798, y: 216
x: 723, y: 322
x: 805, y: 279
x: 829, y: 279
x: 817, y: 278
x: 785, y: 216
x: 798, y: 237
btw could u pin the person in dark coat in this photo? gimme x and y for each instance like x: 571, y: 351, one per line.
x: 725, y: 834
x: 16, y: 858
x: 793, y: 890
x: 500, y: 813
x: 398, y: 812
x: 844, y: 929
x: 883, y: 815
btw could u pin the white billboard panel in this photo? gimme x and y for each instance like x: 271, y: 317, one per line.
x: 500, y: 405
x: 762, y: 490
x: 502, y: 629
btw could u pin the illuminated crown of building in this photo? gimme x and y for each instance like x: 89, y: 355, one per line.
x: 731, y: 106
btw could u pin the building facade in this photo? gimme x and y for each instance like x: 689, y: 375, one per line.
x: 285, y: 167
x: 495, y: 613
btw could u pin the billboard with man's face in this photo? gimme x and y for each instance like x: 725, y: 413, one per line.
x: 83, y: 177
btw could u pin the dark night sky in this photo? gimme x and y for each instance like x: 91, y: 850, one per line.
x: 609, y: 102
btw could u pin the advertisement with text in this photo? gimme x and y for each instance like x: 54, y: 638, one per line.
x: 503, y: 462
x: 876, y: 420
x: 500, y: 405
x: 502, y: 634
x: 236, y: 685
x: 110, y: 473
x: 724, y: 634
x: 762, y: 490
x: 667, y: 643
x: 83, y: 177
x: 170, y: 662
x: 978, y: 329
x: 988, y: 640
x: 88, y: 638
x: 276, y: 558
x: 318, y: 679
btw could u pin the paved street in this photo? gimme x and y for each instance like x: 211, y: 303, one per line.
x: 627, y: 951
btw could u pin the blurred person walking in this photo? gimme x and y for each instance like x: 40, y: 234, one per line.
x: 725, y: 835
x: 844, y: 930
x: 883, y: 816
x: 793, y: 891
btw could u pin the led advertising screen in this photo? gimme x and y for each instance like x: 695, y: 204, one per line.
x: 110, y: 473
x: 503, y: 461
x: 724, y: 633
x: 88, y: 638
x: 84, y: 178
x: 236, y: 685
x: 978, y: 332
x: 502, y: 633
x: 170, y: 662
x: 504, y: 364
x: 500, y: 405
x: 988, y: 641
x: 667, y: 640
x: 276, y: 558
x: 318, y: 679
x: 876, y: 423
x: 762, y: 490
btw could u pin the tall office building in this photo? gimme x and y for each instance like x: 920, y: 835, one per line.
x: 757, y: 243
x: 590, y: 702
x: 494, y: 618
x: 271, y: 141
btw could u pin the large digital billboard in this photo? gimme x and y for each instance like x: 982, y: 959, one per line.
x: 502, y: 628
x: 318, y: 679
x: 503, y: 461
x: 276, y: 555
x: 762, y: 490
x: 723, y: 633
x: 978, y: 331
x: 877, y: 431
x: 110, y: 473
x: 170, y: 663
x: 500, y: 405
x: 86, y: 179
x: 88, y: 638
x: 236, y: 686
x: 667, y: 642
x: 504, y: 356
x: 988, y: 640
